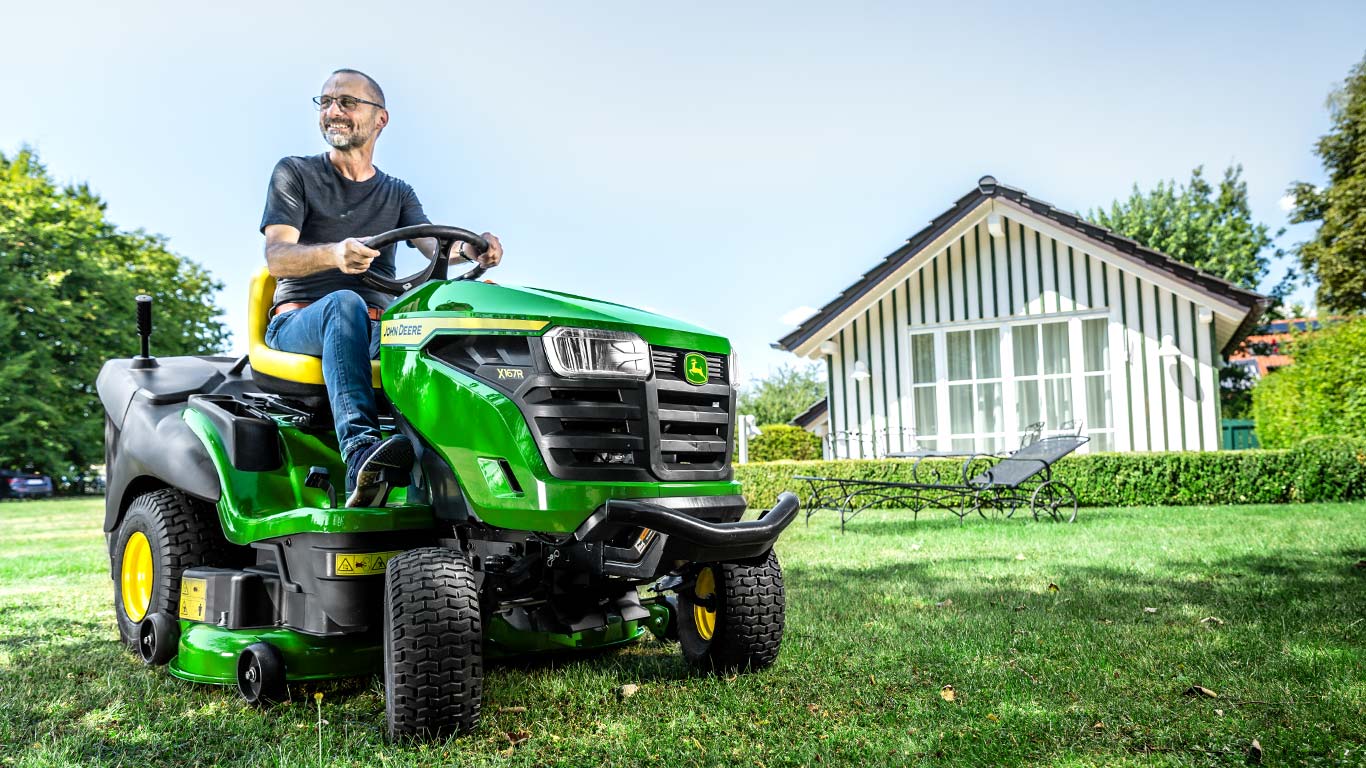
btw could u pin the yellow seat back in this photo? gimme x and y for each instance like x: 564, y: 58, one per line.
x: 302, y: 369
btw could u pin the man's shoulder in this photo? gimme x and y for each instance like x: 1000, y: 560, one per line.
x: 312, y: 164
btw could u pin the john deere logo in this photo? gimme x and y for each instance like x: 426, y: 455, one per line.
x: 695, y: 368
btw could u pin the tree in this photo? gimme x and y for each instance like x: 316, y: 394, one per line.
x: 1212, y: 231
x: 784, y: 395
x: 1323, y: 393
x: 1336, y: 257
x: 67, y: 282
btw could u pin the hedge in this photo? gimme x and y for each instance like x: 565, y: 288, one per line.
x: 783, y: 441
x: 1318, y: 470
x: 1323, y: 393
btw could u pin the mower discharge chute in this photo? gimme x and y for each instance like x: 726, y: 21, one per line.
x: 573, y: 490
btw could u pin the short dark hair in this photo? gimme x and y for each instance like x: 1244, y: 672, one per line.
x: 377, y: 91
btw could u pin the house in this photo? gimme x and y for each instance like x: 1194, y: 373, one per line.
x: 1265, y: 350
x: 1004, y: 313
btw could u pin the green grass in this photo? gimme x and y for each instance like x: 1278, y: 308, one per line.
x: 879, y: 620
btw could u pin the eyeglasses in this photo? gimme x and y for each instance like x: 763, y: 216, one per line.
x: 347, y: 103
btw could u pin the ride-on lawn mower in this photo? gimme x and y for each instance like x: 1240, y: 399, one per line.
x: 572, y: 490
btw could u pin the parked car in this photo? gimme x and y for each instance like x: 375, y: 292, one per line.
x: 21, y: 485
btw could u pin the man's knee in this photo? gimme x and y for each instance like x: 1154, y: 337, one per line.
x: 347, y: 307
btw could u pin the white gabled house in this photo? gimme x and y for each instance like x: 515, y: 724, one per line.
x: 1005, y: 312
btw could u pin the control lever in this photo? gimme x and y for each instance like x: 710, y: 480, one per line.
x: 319, y: 477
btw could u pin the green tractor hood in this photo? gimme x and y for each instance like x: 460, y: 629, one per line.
x: 473, y: 299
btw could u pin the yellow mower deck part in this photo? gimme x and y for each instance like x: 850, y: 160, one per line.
x: 303, y: 369
x: 136, y: 579
x: 704, y: 618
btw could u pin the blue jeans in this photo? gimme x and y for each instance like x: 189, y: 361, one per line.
x: 338, y: 329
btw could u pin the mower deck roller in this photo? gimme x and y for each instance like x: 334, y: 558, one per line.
x: 572, y: 490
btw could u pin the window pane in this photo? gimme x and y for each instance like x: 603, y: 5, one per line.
x: 1057, y: 403
x: 926, y: 415
x: 1025, y: 340
x: 1027, y: 404
x: 988, y: 349
x: 1101, y: 442
x: 989, y: 412
x: 1097, y: 402
x: 963, y: 444
x: 1095, y: 341
x: 922, y: 358
x: 1056, y: 354
x: 960, y: 409
x: 960, y: 355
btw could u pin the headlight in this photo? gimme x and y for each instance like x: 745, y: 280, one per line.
x: 593, y: 352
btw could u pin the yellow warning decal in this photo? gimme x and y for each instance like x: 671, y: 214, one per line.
x: 415, y: 331
x: 193, y: 594
x: 361, y: 563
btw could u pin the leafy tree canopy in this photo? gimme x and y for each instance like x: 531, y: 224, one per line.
x: 1336, y: 257
x: 67, y: 282
x: 784, y: 395
x: 1210, y: 229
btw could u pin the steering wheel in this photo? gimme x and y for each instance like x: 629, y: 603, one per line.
x: 445, y: 238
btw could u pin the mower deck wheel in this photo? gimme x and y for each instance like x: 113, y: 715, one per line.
x: 731, y: 620
x: 158, y: 638
x: 261, y: 675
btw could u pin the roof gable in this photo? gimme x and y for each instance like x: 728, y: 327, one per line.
x: 970, y: 209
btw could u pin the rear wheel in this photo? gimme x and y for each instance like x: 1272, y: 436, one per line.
x: 433, y: 653
x: 162, y: 533
x: 732, y: 618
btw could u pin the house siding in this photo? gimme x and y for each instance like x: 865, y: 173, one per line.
x: 1156, y: 403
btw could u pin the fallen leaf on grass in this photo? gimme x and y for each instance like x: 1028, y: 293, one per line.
x: 945, y: 603
x: 512, y: 709
x: 1200, y: 690
x: 1020, y: 556
x: 1219, y: 712
x: 1254, y: 753
x: 1052, y: 587
x: 993, y: 718
x: 1146, y: 609
x: 813, y: 708
x: 627, y: 691
x: 1213, y: 621
x: 517, y: 737
x: 1099, y: 726
x: 947, y: 693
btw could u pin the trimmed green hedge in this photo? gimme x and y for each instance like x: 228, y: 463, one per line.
x: 1323, y: 469
x: 1323, y: 393
x: 784, y: 441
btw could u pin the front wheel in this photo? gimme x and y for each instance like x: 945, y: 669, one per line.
x: 732, y: 618
x: 433, y: 652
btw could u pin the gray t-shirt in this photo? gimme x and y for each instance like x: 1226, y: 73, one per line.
x: 307, y: 193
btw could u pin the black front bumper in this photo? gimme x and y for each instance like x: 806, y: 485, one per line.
x: 664, y: 535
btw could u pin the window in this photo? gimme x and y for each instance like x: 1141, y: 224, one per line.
x: 964, y: 382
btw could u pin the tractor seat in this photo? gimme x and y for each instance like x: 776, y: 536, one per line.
x: 282, y: 373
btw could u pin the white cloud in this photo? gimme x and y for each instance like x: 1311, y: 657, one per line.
x: 796, y: 315
x: 1288, y: 203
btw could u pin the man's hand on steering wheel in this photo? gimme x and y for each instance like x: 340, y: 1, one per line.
x: 487, y: 259
x: 353, y: 256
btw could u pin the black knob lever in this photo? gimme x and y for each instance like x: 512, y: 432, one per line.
x: 318, y: 477
x: 145, y: 360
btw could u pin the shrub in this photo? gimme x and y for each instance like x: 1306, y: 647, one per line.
x: 1328, y: 469
x: 782, y: 441
x: 1323, y: 393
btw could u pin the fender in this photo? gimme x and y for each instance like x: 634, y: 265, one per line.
x: 153, y: 441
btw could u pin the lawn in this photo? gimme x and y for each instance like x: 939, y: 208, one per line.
x: 1064, y: 645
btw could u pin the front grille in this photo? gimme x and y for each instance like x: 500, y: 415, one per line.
x: 663, y: 428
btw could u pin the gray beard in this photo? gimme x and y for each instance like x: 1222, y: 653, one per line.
x: 343, y: 141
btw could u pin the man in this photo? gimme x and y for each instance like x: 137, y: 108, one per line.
x: 318, y: 211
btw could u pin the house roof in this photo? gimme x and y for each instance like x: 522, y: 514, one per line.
x: 988, y: 188
x: 809, y: 416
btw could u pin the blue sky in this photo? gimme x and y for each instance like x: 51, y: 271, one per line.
x: 724, y: 163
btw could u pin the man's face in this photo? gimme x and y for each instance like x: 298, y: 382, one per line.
x: 348, y: 130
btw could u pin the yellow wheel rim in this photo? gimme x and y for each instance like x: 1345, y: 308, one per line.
x: 704, y: 618
x: 136, y: 579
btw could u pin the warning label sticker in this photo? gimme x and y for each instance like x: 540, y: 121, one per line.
x: 361, y: 563
x: 193, y: 593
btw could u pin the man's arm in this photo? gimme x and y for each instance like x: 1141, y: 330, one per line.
x: 286, y: 258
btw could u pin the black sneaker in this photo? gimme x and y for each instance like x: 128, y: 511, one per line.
x: 376, y: 468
